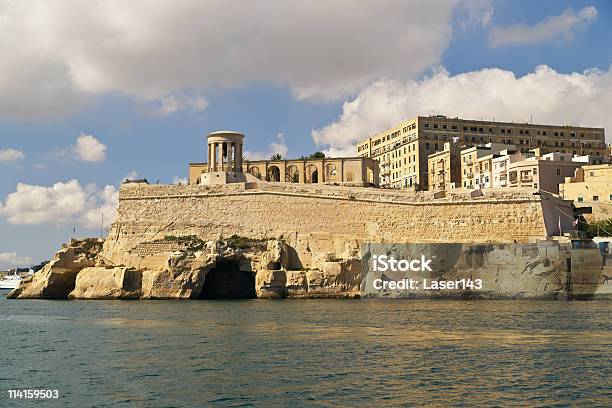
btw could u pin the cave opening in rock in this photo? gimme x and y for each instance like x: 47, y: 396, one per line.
x: 227, y: 281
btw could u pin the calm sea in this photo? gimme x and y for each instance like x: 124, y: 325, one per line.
x: 307, y: 353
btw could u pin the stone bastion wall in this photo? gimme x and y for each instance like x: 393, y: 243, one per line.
x: 268, y: 240
x: 271, y: 210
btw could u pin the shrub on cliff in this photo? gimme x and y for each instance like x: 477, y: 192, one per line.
x: 238, y: 242
x: 601, y: 228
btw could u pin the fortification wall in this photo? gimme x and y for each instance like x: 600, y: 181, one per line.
x: 270, y: 210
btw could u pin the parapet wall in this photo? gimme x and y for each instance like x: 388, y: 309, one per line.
x: 267, y: 210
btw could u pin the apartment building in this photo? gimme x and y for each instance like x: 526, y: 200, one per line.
x: 501, y: 165
x: 588, y: 184
x: 403, y: 150
x: 477, y: 164
x: 445, y: 168
x: 544, y: 173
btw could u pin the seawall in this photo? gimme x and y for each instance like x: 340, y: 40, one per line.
x: 272, y: 240
x: 271, y: 210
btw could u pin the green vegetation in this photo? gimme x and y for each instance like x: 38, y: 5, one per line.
x: 276, y: 156
x: 238, y: 242
x: 601, y: 228
x: 192, y: 242
x: 315, y: 155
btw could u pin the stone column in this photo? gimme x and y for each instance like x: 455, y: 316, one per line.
x: 321, y: 172
x: 230, y: 156
x: 213, y: 156
x: 238, y: 157
x: 209, y: 160
x: 227, y: 157
x: 302, y: 177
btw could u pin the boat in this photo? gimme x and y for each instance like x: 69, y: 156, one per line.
x: 10, y: 281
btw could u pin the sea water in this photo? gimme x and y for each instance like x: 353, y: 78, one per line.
x: 307, y: 353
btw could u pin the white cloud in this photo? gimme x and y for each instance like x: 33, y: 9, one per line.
x: 544, y: 95
x: 132, y: 175
x: 64, y: 203
x: 57, y: 55
x: 475, y: 13
x: 88, y: 148
x: 179, y: 180
x: 552, y: 28
x: 278, y: 147
x: 175, y: 103
x: 339, y: 152
x: 9, y: 260
x: 11, y: 155
x: 103, y: 208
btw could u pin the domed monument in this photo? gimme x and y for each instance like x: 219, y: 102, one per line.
x: 224, y: 158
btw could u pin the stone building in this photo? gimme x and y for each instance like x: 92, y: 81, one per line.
x: 403, y: 150
x: 477, y: 164
x: 225, y: 165
x: 445, y: 168
x: 543, y: 173
x: 502, y: 163
x: 590, y: 186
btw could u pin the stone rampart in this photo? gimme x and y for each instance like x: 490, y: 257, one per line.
x: 270, y: 210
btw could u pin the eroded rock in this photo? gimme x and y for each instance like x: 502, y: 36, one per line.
x: 107, y: 283
x: 57, y: 279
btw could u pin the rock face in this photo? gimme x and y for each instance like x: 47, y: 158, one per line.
x: 107, y: 283
x: 57, y: 279
x: 314, y: 265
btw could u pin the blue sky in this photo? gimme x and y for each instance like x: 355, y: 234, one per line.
x: 141, y: 99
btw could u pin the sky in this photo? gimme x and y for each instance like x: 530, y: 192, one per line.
x: 93, y: 92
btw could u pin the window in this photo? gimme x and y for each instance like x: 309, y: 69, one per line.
x: 535, y: 170
x: 610, y: 198
x: 558, y: 172
x: 595, y: 198
x: 535, y: 185
x: 435, y: 125
x: 580, y: 199
x: 426, y: 125
x: 444, y: 127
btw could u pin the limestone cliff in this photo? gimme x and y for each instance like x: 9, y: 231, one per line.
x: 58, y: 277
x: 314, y: 266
